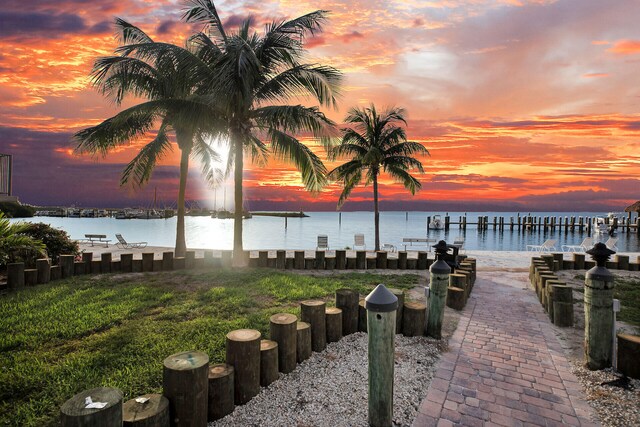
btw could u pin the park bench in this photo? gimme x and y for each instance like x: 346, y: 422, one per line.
x: 97, y: 238
x: 416, y: 243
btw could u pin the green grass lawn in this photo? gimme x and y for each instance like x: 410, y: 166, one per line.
x: 115, y: 330
x: 627, y: 290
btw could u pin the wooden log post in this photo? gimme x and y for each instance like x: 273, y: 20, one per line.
x: 56, y: 272
x: 402, y: 260
x: 362, y: 316
x: 562, y: 305
x: 550, y: 289
x: 87, y: 257
x: 347, y: 301
x: 455, y: 298
x: 209, y: 261
x: 189, y: 259
x: 371, y: 263
x: 330, y: 263
x: 105, y: 262
x: 612, y: 265
x: 79, y: 268
x: 422, y: 260
x: 303, y: 341
x: 136, y: 265
x: 281, y: 259
x: 542, y: 287
x: 254, y: 262
x: 157, y: 264
x: 334, y: 324
x: 268, y: 362
x: 578, y: 261
x: 226, y: 258
x: 263, y: 257
x: 381, y: 311
x: 622, y: 262
x: 567, y: 265
x: 459, y: 281
x: 413, y: 319
x: 30, y: 277
x: 126, y: 262
x: 96, y: 266
x: 559, y: 258
x: 147, y: 261
x: 320, y: 258
x: 361, y: 260
x: 282, y: 329
x: 588, y: 265
x: 74, y: 412
x: 341, y: 259
x: 298, y: 260
x: 399, y: 293
x: 179, y: 263
x: 44, y: 270
x: 351, y: 263
x: 185, y: 383
x: 313, y: 312
x: 15, y: 275
x: 288, y: 263
x: 149, y: 410
x: 309, y: 263
x: 392, y: 263
x: 598, y: 316
x: 66, y: 265
x: 381, y: 259
x: 628, y: 355
x: 221, y: 400
x: 243, y: 353
x: 439, y: 275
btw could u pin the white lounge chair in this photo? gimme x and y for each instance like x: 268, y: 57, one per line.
x: 323, y: 242
x: 547, y: 246
x: 611, y: 243
x: 358, y: 241
x: 389, y: 247
x: 122, y: 244
x: 586, y: 244
x: 459, y: 242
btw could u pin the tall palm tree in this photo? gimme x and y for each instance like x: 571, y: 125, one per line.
x: 375, y: 144
x: 255, y: 75
x: 169, y: 77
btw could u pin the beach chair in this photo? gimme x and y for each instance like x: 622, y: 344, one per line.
x: 358, y: 241
x: 389, y: 247
x: 611, y: 243
x: 586, y: 244
x: 122, y: 244
x: 459, y: 242
x: 547, y: 246
x: 323, y: 242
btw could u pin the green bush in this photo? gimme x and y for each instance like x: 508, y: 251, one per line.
x: 56, y: 241
x: 16, y: 210
x: 16, y: 246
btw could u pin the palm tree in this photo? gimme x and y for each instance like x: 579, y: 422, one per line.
x: 169, y: 77
x: 255, y: 75
x: 376, y: 144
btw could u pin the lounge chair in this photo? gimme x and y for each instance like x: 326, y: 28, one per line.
x: 459, y: 242
x: 389, y: 247
x: 358, y: 241
x: 586, y: 244
x: 122, y: 244
x: 323, y: 242
x: 547, y: 246
x: 611, y: 243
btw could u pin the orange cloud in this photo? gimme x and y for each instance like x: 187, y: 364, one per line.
x: 625, y: 47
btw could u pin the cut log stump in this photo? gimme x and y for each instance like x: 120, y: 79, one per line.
x: 628, y: 355
x: 313, y: 312
x: 243, y: 353
x: 268, y: 362
x: 414, y: 319
x: 283, y: 331
x: 334, y: 324
x: 399, y: 293
x: 221, y: 401
x: 303, y: 341
x: 15, y: 275
x: 149, y: 410
x: 185, y: 383
x: 562, y: 306
x: 347, y: 301
x: 74, y: 412
x: 455, y: 298
x: 362, y: 316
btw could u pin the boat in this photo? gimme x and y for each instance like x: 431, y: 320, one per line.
x: 436, y: 223
x: 73, y: 213
x: 600, y: 225
x: 87, y: 213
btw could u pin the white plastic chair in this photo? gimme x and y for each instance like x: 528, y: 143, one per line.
x: 582, y: 247
x: 547, y: 246
x: 358, y: 241
x: 323, y: 242
x: 459, y: 242
x: 611, y: 243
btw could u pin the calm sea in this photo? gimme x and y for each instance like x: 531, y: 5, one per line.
x: 301, y: 233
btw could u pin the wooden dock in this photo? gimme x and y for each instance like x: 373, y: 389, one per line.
x: 531, y: 223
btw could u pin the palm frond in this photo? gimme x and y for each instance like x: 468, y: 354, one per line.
x: 127, y: 33
x: 142, y: 165
x: 207, y: 157
x: 117, y: 76
x: 296, y: 119
x: 408, y: 180
x: 204, y: 12
x: 288, y: 148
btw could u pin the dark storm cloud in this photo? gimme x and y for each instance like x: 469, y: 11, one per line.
x: 41, y: 24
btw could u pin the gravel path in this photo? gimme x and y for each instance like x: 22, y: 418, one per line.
x: 330, y: 388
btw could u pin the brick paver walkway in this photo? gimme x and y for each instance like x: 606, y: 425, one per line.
x: 504, y: 367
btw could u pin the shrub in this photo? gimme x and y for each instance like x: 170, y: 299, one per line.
x: 16, y: 246
x: 56, y: 241
x: 16, y: 210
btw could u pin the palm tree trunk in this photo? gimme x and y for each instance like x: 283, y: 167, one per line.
x: 181, y: 244
x: 376, y: 211
x: 238, y: 258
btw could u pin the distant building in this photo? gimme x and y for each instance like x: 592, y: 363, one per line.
x: 5, y: 179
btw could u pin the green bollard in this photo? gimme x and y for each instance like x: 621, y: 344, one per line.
x: 381, y: 307
x: 598, y: 310
x: 439, y: 273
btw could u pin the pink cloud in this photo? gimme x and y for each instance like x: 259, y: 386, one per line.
x: 626, y: 47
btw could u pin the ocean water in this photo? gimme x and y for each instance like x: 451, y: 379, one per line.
x: 301, y: 233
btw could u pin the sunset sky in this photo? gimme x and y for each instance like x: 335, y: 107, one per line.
x: 523, y: 104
